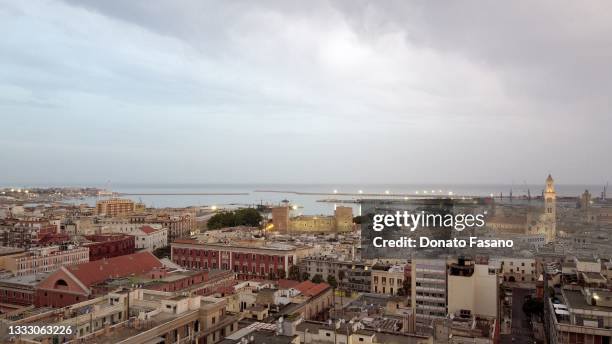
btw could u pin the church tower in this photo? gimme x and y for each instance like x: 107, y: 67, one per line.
x: 550, y: 209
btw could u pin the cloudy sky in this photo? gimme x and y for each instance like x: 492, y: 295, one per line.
x: 309, y: 91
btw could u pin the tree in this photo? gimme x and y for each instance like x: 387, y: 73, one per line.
x: 281, y: 273
x: 248, y: 217
x: 317, y: 278
x: 341, y: 277
x: 331, y: 280
x: 294, y: 273
x: 162, y: 252
x: 239, y: 217
x: 403, y: 291
x: 358, y: 219
x: 533, y: 307
x: 305, y: 276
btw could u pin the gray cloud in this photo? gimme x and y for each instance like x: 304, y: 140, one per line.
x: 382, y: 91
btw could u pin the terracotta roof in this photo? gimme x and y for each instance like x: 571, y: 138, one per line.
x: 286, y: 284
x: 148, y: 229
x: 311, y: 289
x: 100, y: 270
x: 185, y: 241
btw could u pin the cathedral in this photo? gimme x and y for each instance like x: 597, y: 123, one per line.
x: 528, y: 219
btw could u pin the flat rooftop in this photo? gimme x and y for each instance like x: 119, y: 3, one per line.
x: 5, y: 250
x: 575, y: 300
x: 275, y: 246
x: 120, y: 333
x: 26, y: 280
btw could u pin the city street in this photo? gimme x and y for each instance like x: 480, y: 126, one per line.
x: 521, y: 329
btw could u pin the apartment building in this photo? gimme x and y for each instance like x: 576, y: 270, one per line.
x: 579, y: 315
x: 388, y: 279
x: 115, y: 207
x: 45, y: 259
x: 25, y: 233
x: 136, y: 316
x: 179, y: 223
x: 429, y: 290
x: 472, y: 288
x: 350, y: 275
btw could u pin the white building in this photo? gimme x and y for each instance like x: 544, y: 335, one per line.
x: 151, y: 237
x: 472, y: 289
x: 147, y: 236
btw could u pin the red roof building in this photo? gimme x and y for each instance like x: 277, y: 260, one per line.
x: 148, y: 229
x: 73, y: 284
x: 315, y: 299
x: 309, y: 288
x: 110, y: 245
x: 286, y: 284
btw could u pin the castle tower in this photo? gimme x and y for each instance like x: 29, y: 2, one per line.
x: 550, y: 209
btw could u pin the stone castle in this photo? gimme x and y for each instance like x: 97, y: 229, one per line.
x: 341, y: 221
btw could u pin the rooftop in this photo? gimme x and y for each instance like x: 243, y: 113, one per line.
x: 149, y: 229
x: 267, y: 336
x: 576, y: 300
x: 98, y: 271
x: 258, y: 244
x: 31, y: 280
x: 311, y: 289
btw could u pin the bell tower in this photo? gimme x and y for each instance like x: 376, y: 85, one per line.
x: 550, y: 208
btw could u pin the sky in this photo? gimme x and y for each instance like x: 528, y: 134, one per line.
x: 305, y: 91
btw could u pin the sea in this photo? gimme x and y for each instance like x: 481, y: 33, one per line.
x: 310, y: 199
